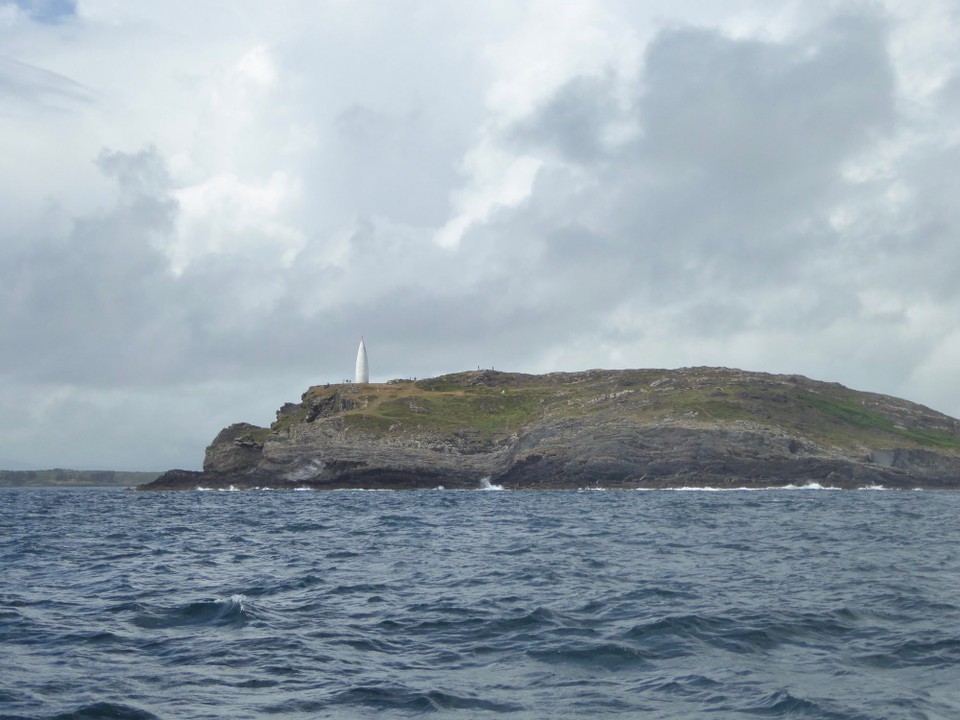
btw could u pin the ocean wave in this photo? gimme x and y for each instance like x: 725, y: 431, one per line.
x: 105, y: 711
x: 929, y: 653
x: 608, y: 656
x: 387, y: 698
x: 228, y: 612
x: 782, y: 703
x: 678, y: 635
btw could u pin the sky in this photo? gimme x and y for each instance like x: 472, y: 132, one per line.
x: 205, y: 205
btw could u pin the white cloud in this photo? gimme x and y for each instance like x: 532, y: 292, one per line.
x: 257, y: 66
x: 551, y: 43
x: 226, y: 215
x: 497, y: 179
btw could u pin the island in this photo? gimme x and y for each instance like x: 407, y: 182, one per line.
x: 689, y: 427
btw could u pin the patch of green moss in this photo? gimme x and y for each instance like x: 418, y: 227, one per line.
x: 439, y: 384
x: 719, y: 409
x: 289, y: 419
x: 258, y: 436
x: 860, y: 417
x: 367, y: 422
x: 931, y: 438
x: 855, y: 415
x: 486, y: 410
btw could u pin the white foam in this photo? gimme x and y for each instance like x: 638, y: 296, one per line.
x: 872, y: 487
x: 485, y: 484
x: 237, y: 600
x: 352, y: 490
x: 808, y: 486
x: 707, y: 488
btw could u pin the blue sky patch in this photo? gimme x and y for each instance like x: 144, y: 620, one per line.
x: 48, y: 11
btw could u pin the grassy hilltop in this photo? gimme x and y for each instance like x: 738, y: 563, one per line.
x: 488, y: 404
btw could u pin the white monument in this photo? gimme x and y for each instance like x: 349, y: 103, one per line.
x: 363, y: 370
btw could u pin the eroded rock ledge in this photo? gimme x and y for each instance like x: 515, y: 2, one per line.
x: 616, y: 429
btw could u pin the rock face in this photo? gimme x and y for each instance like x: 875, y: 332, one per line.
x: 600, y: 428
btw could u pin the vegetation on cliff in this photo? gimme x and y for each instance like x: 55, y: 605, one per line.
x: 493, y: 403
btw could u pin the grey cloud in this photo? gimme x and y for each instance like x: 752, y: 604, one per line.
x: 751, y: 110
x: 739, y: 158
x: 572, y: 121
x: 753, y: 135
x: 85, y: 308
x: 141, y: 175
x: 395, y: 165
x: 921, y: 250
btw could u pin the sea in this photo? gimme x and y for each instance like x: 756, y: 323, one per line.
x: 790, y: 603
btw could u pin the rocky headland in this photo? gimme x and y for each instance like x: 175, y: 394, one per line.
x: 713, y: 427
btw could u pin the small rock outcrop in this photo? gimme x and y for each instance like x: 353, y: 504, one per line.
x: 599, y: 428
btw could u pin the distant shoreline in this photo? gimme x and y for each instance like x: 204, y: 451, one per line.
x: 61, y: 477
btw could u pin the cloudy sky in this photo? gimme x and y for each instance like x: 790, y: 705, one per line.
x: 204, y: 205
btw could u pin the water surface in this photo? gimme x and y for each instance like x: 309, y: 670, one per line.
x: 804, y: 603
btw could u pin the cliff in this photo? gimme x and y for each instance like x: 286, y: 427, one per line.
x: 599, y: 428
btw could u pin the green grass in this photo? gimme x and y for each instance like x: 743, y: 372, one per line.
x: 716, y: 409
x: 486, y: 410
x: 860, y: 417
x: 256, y: 435
x: 289, y: 419
x: 369, y: 423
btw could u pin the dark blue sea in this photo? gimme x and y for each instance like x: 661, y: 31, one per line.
x: 627, y: 604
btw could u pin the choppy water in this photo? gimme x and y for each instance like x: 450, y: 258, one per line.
x: 812, y: 604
